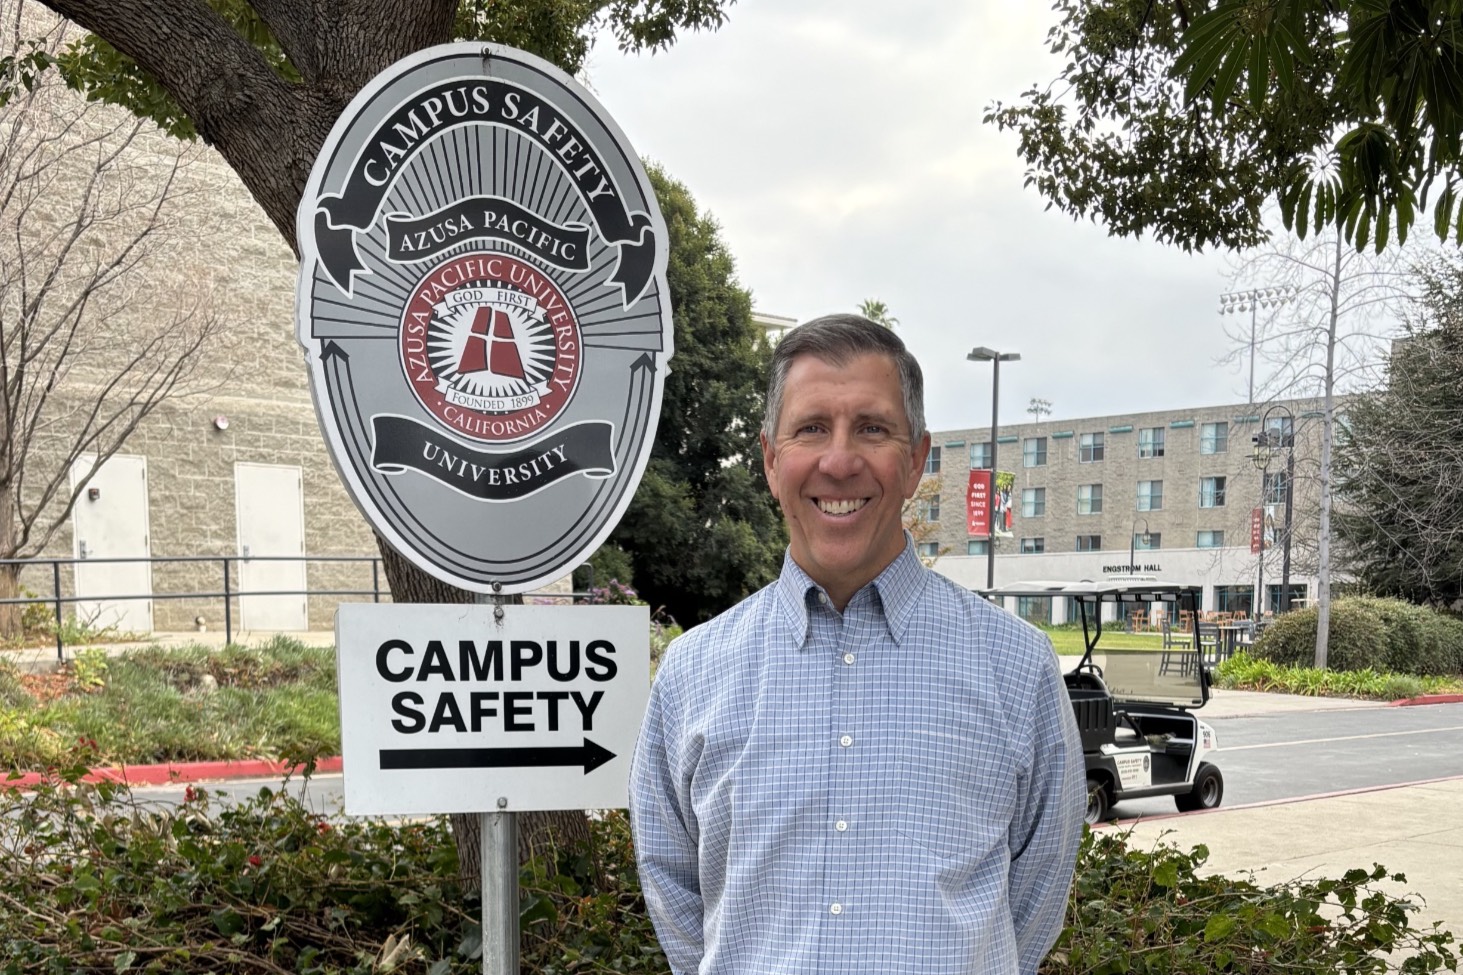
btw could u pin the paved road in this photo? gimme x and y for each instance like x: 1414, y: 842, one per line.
x: 1279, y: 756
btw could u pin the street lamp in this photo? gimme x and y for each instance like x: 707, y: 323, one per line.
x: 1252, y: 300
x: 1266, y: 443
x: 982, y: 354
x: 1133, y: 541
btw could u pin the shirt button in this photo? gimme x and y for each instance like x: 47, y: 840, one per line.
x: 846, y: 740
x: 848, y: 659
x: 841, y: 825
x: 823, y: 598
x: 836, y: 909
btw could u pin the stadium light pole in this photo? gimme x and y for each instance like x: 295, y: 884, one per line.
x: 982, y: 354
x: 1252, y: 300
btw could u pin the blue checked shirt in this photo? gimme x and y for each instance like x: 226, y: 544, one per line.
x: 895, y: 789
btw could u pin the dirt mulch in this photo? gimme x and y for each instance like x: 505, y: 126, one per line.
x: 46, y: 687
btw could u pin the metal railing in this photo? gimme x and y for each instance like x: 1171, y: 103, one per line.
x: 227, y: 593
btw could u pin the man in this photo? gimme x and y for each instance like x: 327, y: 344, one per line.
x: 863, y: 768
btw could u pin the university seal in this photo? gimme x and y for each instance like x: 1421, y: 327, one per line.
x: 482, y: 300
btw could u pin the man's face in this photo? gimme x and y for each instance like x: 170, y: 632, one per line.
x: 841, y: 466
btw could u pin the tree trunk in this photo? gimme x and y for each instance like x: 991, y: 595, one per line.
x: 1328, y: 426
x: 11, y: 614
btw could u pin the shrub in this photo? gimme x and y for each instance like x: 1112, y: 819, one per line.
x: 1386, y: 635
x: 267, y: 885
x: 1136, y: 910
x: 1248, y: 673
x: 1357, y: 638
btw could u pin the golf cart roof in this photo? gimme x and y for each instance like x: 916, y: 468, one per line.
x: 1122, y: 589
x: 1151, y: 675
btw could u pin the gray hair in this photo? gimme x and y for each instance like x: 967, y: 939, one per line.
x: 837, y: 340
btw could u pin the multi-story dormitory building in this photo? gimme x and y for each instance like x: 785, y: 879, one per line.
x: 1178, y: 489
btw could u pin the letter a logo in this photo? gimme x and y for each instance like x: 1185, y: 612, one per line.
x: 503, y: 359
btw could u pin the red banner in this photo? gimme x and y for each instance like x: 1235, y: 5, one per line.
x: 1257, y: 530
x: 978, y: 504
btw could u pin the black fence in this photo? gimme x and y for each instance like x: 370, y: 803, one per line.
x: 228, y: 591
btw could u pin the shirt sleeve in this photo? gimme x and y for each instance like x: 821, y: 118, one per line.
x: 1048, y: 827
x: 664, y: 828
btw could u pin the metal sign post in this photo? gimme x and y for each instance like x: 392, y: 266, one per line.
x: 498, y: 861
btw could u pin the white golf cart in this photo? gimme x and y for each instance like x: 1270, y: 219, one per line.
x: 1133, y: 704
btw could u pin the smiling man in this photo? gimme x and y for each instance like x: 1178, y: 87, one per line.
x: 861, y: 768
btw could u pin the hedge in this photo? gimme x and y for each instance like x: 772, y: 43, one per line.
x: 1369, y: 633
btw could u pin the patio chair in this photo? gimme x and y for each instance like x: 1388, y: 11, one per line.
x: 1178, y: 651
x: 1209, y: 644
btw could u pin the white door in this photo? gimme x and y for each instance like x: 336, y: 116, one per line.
x: 271, y: 506
x: 110, y: 522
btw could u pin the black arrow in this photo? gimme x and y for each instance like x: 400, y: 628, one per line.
x: 590, y: 755
x: 333, y: 351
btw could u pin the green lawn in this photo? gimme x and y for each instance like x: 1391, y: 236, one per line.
x: 1068, y: 640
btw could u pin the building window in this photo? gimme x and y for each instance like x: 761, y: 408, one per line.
x: 932, y: 462
x: 1281, y: 431
x: 1036, y: 610
x: 1033, y: 452
x: 980, y: 456
x: 1214, y: 438
x: 1234, y: 599
x: 978, y: 546
x: 1155, y: 542
x: 1150, y: 495
x: 1033, y: 502
x: 1211, y: 492
x: 1210, y: 539
x: 1033, y: 546
x: 1089, y: 499
x: 929, y: 550
x: 929, y: 509
x: 1274, y: 488
x: 1089, y: 543
x: 1150, y: 442
x: 1089, y: 448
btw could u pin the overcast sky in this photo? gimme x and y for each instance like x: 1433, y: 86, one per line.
x: 840, y: 146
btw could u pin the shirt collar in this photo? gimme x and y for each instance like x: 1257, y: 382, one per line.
x: 898, y: 589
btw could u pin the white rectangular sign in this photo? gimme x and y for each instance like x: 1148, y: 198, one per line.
x: 444, y: 709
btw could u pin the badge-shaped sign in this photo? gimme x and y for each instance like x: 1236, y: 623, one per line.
x: 483, y: 303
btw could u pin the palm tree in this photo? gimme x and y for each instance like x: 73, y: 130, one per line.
x: 876, y: 311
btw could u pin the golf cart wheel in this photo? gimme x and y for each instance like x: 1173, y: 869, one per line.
x: 1097, y: 803
x: 1207, y: 793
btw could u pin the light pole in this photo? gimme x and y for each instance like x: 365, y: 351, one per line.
x: 982, y: 354
x: 1266, y: 443
x: 1252, y: 300
x: 1133, y: 541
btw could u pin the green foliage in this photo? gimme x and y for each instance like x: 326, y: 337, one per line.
x: 703, y: 531
x: 1399, y: 464
x: 1247, y: 673
x: 184, y: 704
x: 268, y: 885
x: 560, y: 31
x: 97, y: 882
x: 1153, y: 911
x: 1369, y: 634
x: 609, y: 561
x: 1347, y: 116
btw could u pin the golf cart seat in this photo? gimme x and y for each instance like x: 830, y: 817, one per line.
x: 1092, y: 707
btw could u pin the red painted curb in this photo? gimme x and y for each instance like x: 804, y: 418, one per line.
x: 180, y: 772
x: 1408, y: 702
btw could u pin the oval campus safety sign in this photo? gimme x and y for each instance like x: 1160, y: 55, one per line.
x: 483, y: 303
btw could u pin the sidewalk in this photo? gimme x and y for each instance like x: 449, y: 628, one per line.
x: 1416, y: 830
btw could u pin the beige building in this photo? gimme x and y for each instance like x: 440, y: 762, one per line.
x: 1171, y: 494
